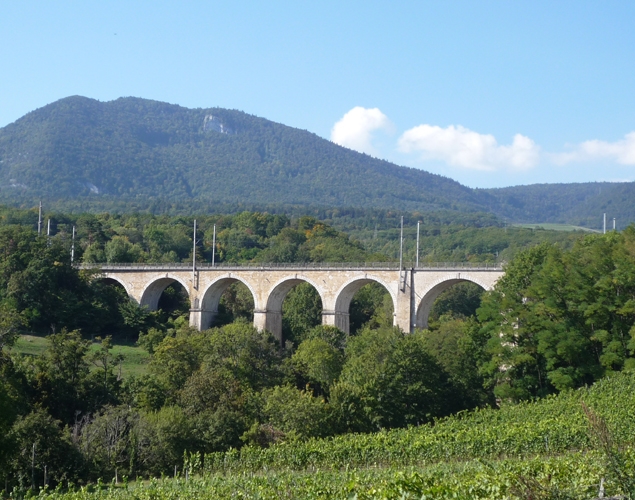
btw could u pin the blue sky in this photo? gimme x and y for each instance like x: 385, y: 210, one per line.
x: 487, y: 93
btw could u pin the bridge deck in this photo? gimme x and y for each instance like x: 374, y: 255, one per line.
x: 318, y: 266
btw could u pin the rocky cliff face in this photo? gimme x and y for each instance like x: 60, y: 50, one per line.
x: 215, y: 124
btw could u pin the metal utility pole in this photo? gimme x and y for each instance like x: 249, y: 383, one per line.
x: 401, y: 252
x: 73, y: 246
x: 194, y: 257
x: 214, y: 246
x: 39, y: 220
x: 417, y: 260
x: 401, y: 246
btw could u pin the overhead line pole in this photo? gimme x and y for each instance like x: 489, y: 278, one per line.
x: 401, y: 254
x: 39, y: 220
x: 73, y: 246
x: 417, y: 259
x: 194, y: 257
x: 214, y: 246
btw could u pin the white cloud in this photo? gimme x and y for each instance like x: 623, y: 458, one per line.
x: 462, y: 147
x: 355, y: 129
x: 622, y: 152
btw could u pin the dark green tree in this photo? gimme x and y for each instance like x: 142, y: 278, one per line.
x: 301, y: 311
x: 390, y: 380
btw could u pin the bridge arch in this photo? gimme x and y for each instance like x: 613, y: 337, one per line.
x: 437, y: 288
x: 117, y: 281
x: 153, y: 290
x: 345, y: 295
x: 276, y: 296
x: 213, y: 294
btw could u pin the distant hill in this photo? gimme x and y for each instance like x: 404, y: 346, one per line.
x: 133, y: 153
x: 581, y: 204
x: 136, y: 149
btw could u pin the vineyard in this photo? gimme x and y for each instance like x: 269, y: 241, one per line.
x: 574, y: 476
x: 542, y: 449
x: 552, y: 425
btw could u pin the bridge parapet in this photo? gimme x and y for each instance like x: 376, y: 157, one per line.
x: 324, y: 266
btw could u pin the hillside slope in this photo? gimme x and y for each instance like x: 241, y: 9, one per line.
x: 137, y: 149
x: 581, y: 204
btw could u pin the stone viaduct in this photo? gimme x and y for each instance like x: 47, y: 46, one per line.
x: 413, y: 290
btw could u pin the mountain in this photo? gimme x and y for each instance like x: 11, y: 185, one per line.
x: 84, y: 154
x: 137, y: 149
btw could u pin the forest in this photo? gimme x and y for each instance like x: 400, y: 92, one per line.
x: 560, y: 319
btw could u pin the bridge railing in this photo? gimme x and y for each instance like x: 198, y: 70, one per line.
x: 182, y: 266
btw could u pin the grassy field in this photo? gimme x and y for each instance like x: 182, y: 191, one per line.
x: 135, y: 359
x: 556, y: 227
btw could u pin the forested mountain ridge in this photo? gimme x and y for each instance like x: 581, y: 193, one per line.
x: 581, y: 204
x: 137, y: 149
x: 131, y: 154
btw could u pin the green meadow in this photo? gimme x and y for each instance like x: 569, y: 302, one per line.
x: 135, y: 359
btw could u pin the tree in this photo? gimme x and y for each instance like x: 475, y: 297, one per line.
x: 456, y: 344
x: 236, y: 302
x: 250, y: 355
x: 119, y: 249
x: 297, y: 413
x: 318, y: 362
x: 105, y: 385
x: 48, y: 291
x: 330, y: 334
x: 221, y: 407
x: 301, y: 311
x: 40, y: 441
x: 162, y: 437
x: 9, y: 410
x: 60, y: 379
x: 390, y: 380
x: 10, y: 323
x: 461, y: 300
x: 110, y: 442
x: 514, y: 366
x: 371, y: 306
x: 286, y: 246
x: 561, y: 319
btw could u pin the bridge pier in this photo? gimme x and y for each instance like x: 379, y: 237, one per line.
x: 201, y: 319
x: 270, y: 321
x: 274, y: 324
x: 339, y: 319
x: 260, y: 319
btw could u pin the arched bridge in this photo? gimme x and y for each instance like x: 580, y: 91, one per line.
x: 413, y: 290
